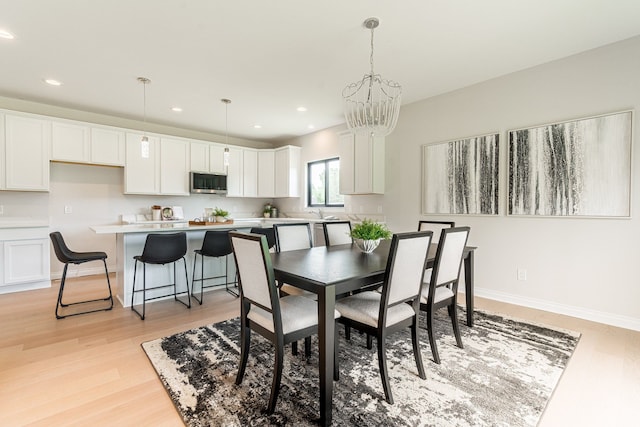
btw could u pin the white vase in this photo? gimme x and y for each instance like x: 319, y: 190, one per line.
x: 220, y: 219
x: 367, y: 246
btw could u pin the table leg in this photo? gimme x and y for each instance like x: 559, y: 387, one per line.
x: 468, y: 283
x: 326, y: 338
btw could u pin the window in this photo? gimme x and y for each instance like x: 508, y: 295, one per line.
x: 323, y: 185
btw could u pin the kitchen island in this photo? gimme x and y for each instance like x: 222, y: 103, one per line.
x: 130, y: 239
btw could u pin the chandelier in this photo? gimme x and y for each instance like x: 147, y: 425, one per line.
x: 373, y: 103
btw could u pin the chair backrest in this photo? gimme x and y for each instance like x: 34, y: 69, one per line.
x: 290, y: 237
x: 163, y: 248
x: 63, y: 253
x: 436, y: 227
x: 216, y: 243
x: 337, y: 233
x: 255, y: 271
x: 267, y: 231
x: 405, y: 267
x: 448, y: 261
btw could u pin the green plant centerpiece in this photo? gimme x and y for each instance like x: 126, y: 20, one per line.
x: 266, y: 212
x: 368, y: 233
x: 220, y: 214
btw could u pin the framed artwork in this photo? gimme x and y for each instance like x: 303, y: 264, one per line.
x: 575, y: 168
x: 461, y: 176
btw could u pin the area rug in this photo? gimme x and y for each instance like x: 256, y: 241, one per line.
x: 504, y: 376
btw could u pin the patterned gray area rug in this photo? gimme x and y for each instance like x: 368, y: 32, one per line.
x: 504, y: 376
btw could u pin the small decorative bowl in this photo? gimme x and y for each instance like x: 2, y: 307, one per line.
x: 367, y: 246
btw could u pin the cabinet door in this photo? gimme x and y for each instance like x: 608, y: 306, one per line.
x: 250, y: 173
x: 69, y: 142
x: 216, y: 159
x: 107, y: 147
x: 25, y: 261
x: 174, y: 167
x: 346, y: 145
x: 199, y: 157
x: 141, y: 174
x: 266, y: 173
x: 27, y: 148
x: 235, y: 173
x: 287, y: 168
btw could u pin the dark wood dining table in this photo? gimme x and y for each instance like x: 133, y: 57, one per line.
x: 329, y: 271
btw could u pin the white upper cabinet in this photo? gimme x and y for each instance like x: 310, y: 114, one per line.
x: 235, y: 173
x: 142, y: 172
x: 361, y: 163
x: 207, y: 157
x: 250, y: 173
x: 80, y: 143
x: 27, y: 152
x: 216, y: 159
x: 70, y: 142
x: 174, y: 166
x: 287, y: 171
x: 107, y: 146
x: 266, y: 173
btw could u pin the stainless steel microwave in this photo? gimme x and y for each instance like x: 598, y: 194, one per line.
x: 208, y: 183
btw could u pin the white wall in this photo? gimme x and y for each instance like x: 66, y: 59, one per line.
x: 581, y: 267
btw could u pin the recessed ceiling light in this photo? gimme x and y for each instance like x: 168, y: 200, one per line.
x: 53, y: 82
x: 257, y: 126
x: 176, y: 109
x: 4, y: 34
x: 311, y: 127
x: 302, y: 109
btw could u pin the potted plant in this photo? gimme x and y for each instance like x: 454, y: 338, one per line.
x: 368, y: 233
x: 220, y: 214
x: 266, y: 212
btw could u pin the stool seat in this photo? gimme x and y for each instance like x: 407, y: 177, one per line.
x: 67, y: 256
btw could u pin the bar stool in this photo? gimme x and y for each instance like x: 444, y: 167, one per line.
x: 67, y: 256
x: 216, y: 244
x: 269, y: 232
x: 160, y: 249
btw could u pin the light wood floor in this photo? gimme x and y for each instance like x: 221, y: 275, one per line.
x: 91, y: 370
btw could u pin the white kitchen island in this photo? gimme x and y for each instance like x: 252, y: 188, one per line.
x: 130, y: 239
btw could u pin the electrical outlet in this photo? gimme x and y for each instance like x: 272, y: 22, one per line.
x: 68, y: 209
x: 522, y: 274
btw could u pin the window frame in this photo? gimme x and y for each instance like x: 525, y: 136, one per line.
x: 326, y: 184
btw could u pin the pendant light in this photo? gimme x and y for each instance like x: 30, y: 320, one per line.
x: 144, y: 142
x: 373, y: 103
x: 225, y: 157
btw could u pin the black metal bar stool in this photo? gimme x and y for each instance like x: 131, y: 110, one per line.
x: 216, y: 244
x: 161, y: 248
x: 67, y: 256
x: 267, y: 231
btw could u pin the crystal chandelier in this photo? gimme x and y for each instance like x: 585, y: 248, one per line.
x: 373, y: 103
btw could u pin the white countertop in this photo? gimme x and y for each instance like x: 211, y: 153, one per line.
x: 23, y: 222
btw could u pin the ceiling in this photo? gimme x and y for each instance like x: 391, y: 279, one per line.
x: 271, y: 57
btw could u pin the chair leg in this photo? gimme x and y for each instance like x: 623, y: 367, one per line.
x: 245, y: 344
x: 369, y: 342
x: 307, y: 347
x: 294, y: 348
x: 416, y: 348
x: 382, y: 363
x: 347, y: 332
x: 277, y: 376
x: 432, y: 338
x: 454, y: 321
x: 59, y: 302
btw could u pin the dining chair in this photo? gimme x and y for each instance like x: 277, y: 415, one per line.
x: 269, y: 232
x: 67, y: 256
x: 435, y: 226
x: 161, y: 249
x: 441, y: 288
x: 337, y: 233
x: 290, y: 237
x: 397, y: 307
x: 214, y: 245
x: 281, y: 320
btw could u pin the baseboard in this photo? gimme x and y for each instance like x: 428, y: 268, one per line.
x: 579, y: 312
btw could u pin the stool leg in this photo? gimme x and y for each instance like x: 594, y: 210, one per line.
x: 193, y: 278
x: 226, y: 277
x: 110, y: 298
x: 59, y: 303
x: 175, y: 284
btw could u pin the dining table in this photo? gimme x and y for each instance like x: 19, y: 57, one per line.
x: 331, y: 271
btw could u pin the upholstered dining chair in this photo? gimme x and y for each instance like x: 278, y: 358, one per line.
x: 436, y: 227
x: 67, y: 256
x: 337, y: 233
x: 397, y: 307
x: 160, y: 249
x: 281, y: 320
x: 441, y: 288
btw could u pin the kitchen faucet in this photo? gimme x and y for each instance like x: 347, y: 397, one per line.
x: 319, y: 213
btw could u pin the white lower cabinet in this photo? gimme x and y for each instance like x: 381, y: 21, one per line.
x: 25, y: 259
